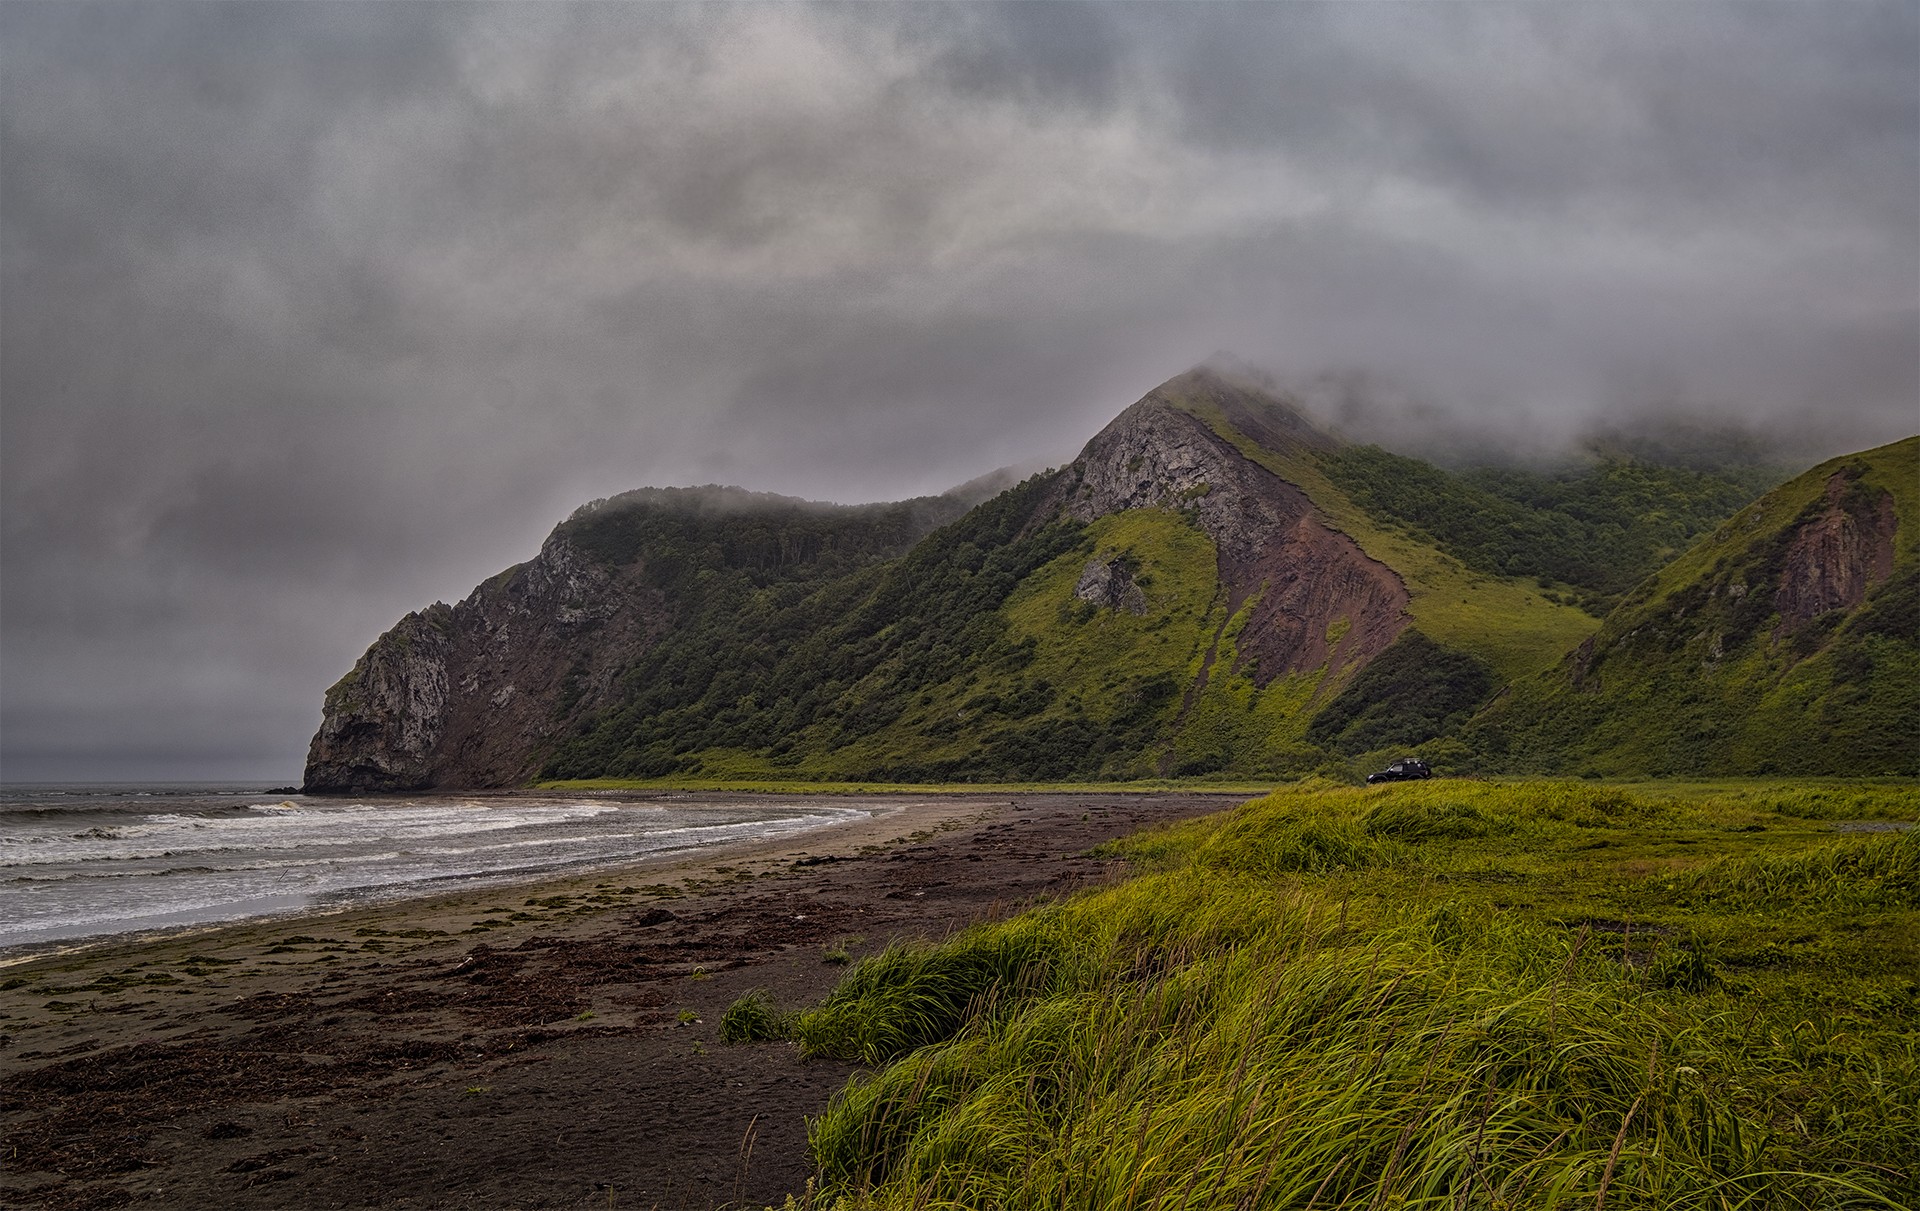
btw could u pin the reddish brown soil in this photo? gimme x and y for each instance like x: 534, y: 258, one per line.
x: 338, y: 1062
x: 1835, y: 558
x: 1309, y: 580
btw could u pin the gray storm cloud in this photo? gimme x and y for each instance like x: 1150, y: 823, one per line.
x: 311, y: 314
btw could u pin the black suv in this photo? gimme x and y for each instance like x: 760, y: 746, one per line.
x: 1401, y: 770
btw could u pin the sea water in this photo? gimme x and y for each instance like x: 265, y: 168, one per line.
x: 87, y: 861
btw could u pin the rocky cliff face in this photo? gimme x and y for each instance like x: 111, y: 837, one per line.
x: 478, y: 694
x: 383, y: 721
x: 1110, y: 583
x: 1835, y: 556
x: 466, y: 695
x: 1303, y: 576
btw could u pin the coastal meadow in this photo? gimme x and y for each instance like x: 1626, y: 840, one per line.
x: 1452, y: 994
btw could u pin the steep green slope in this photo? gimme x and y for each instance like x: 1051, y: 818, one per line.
x: 1599, y: 527
x: 1415, y: 691
x: 983, y: 655
x: 1788, y: 641
x: 1077, y: 690
x: 1509, y: 624
x: 1088, y: 691
x: 753, y: 678
x: 684, y: 534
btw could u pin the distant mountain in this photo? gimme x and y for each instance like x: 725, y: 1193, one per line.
x: 1215, y: 585
x: 1788, y: 641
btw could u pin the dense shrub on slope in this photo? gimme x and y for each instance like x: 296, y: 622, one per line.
x: 1416, y: 691
x: 754, y: 657
x: 1600, y: 527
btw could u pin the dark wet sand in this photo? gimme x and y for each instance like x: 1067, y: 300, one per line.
x: 505, y: 1048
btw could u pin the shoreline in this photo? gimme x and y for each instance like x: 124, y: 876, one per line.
x: 452, y: 901
x: 550, y: 1044
x: 383, y: 898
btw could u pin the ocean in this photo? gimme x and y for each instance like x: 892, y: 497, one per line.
x: 87, y: 862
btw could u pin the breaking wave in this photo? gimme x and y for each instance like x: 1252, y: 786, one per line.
x: 74, y: 865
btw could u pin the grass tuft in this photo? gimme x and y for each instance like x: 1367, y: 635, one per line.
x: 754, y: 1019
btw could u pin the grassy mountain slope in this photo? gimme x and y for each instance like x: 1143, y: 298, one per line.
x: 1075, y: 690
x: 1787, y: 641
x: 1087, y: 692
x: 1598, y: 527
x: 756, y: 681
x: 933, y: 675
x: 1511, y: 625
x: 683, y: 534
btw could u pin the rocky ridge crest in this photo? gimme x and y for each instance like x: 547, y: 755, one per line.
x: 1307, y: 580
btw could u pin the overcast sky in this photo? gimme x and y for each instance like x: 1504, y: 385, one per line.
x: 312, y: 314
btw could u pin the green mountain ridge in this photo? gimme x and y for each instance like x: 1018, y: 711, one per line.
x: 1785, y: 642
x: 1215, y: 586
x: 1597, y: 530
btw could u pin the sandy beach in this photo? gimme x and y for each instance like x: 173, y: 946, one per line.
x: 551, y: 1044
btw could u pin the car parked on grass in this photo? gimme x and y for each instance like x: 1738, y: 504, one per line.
x: 1402, y: 770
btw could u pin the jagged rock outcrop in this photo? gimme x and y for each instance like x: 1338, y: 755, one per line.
x: 383, y: 721
x: 1109, y: 583
x: 1307, y: 580
x: 464, y: 696
x: 1835, y: 556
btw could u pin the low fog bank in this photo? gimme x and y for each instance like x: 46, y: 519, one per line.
x: 1365, y: 411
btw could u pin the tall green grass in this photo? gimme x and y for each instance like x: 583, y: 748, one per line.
x: 1874, y: 871
x: 1305, y: 1007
